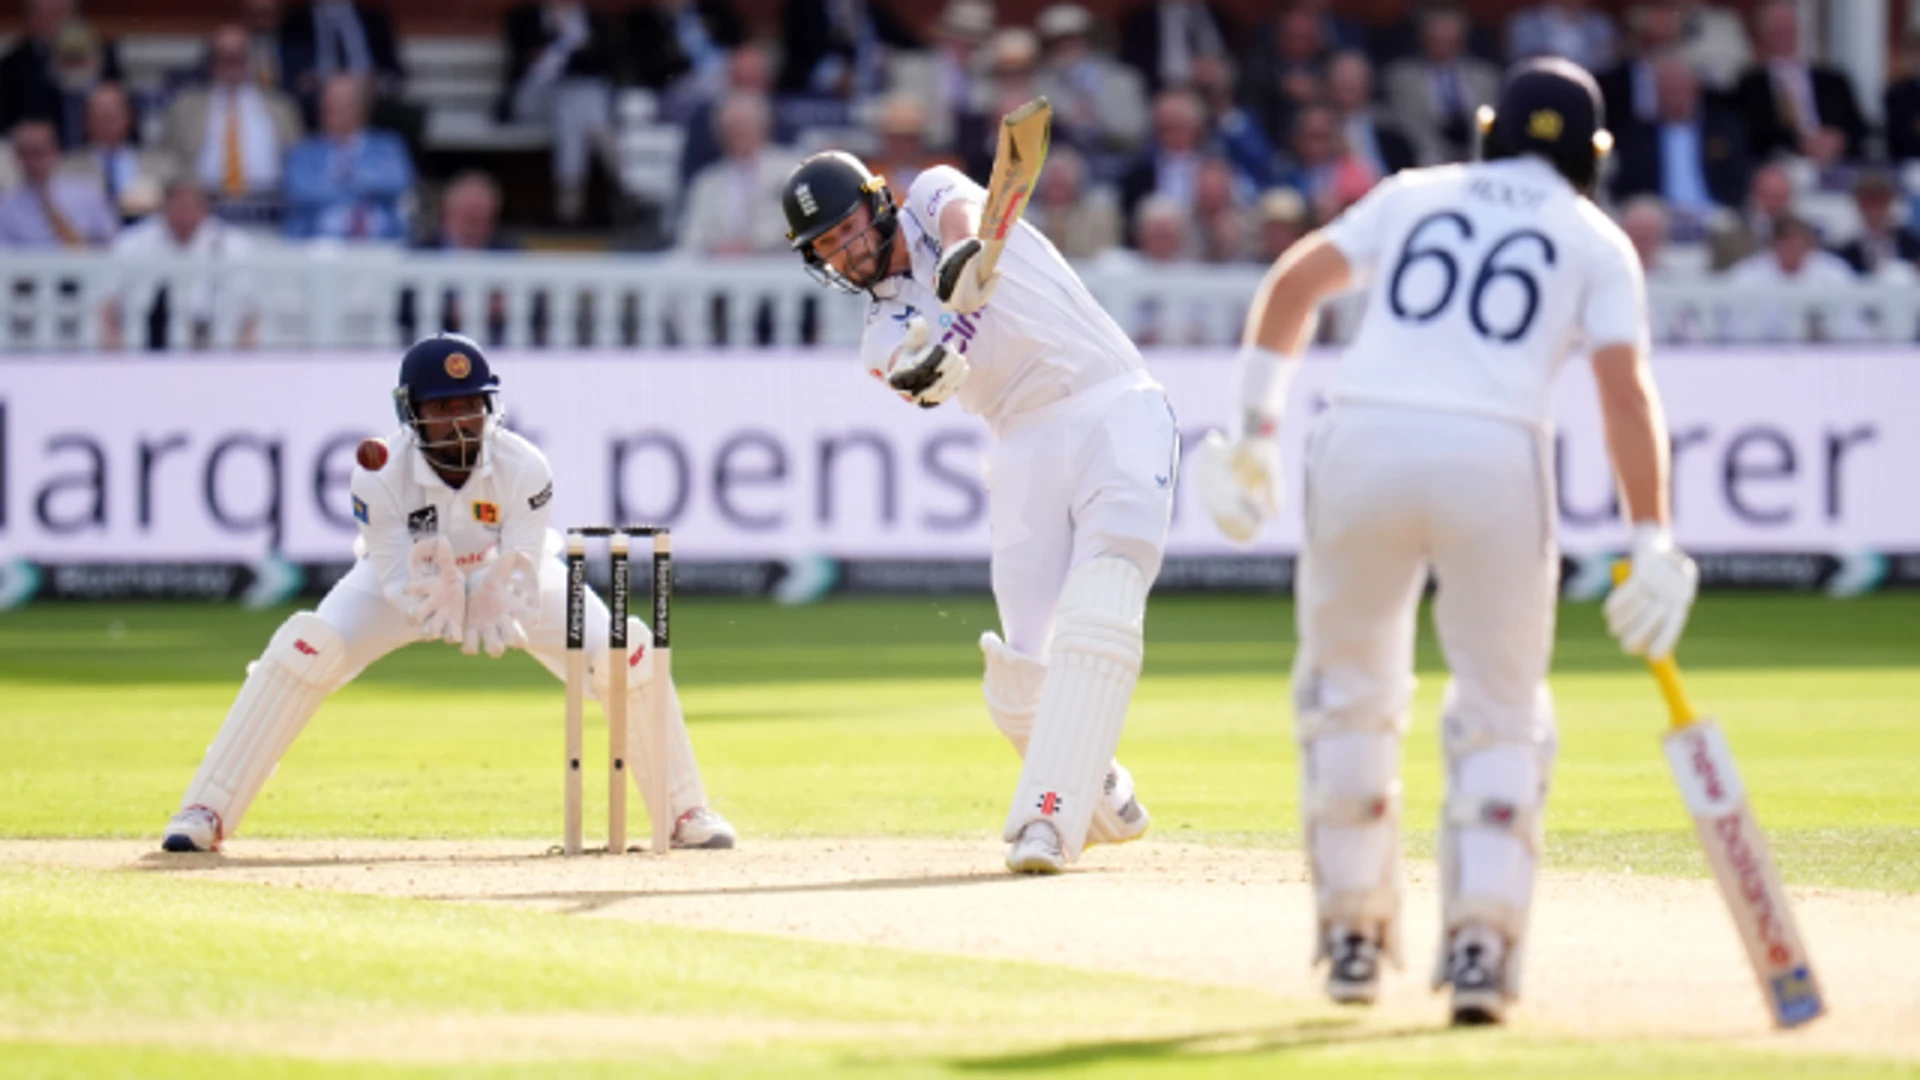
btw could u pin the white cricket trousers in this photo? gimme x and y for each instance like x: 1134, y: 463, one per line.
x: 1089, y: 476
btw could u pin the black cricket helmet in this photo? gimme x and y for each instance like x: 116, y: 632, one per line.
x: 1550, y: 108
x: 440, y: 367
x: 824, y: 191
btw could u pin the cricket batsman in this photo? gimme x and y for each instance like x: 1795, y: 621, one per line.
x: 1079, y: 477
x: 1437, y: 456
x: 453, y: 546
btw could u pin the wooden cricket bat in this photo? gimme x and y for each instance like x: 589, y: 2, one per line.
x: 1709, y: 782
x: 1024, y: 135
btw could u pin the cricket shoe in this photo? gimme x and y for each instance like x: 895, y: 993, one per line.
x: 1353, y: 966
x: 1126, y: 811
x: 703, y: 828
x: 194, y: 829
x: 1477, y: 969
x: 1037, y: 850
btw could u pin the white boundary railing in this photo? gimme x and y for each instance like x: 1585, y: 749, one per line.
x: 331, y: 299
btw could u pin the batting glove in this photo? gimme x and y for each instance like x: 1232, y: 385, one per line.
x: 435, y: 595
x: 957, y: 280
x: 1239, y: 482
x: 1647, y: 611
x: 498, y: 606
x: 925, y: 371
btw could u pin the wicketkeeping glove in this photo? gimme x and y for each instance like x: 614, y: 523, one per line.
x: 925, y: 371
x: 499, y: 605
x: 1239, y: 482
x: 435, y: 594
x: 956, y: 278
x: 1649, y: 609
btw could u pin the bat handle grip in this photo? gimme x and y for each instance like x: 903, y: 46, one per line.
x: 1665, y: 672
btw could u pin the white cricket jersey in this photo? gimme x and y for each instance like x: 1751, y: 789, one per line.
x: 1482, y: 276
x: 502, y: 505
x: 1040, y: 338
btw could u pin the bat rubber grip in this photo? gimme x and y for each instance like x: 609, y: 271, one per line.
x: 1665, y: 671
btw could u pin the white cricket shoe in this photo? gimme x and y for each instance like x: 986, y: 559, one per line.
x: 1126, y: 806
x: 1353, y: 966
x: 194, y: 829
x: 1037, y: 850
x: 1476, y: 966
x: 703, y: 828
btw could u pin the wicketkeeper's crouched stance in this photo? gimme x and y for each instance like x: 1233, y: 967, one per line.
x: 454, y: 545
x: 1079, y: 478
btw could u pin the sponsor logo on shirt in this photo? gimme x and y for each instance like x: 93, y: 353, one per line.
x: 423, y: 522
x: 541, y: 497
x: 360, y: 510
x: 486, y: 513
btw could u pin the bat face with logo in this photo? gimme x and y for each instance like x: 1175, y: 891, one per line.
x: 1024, y: 137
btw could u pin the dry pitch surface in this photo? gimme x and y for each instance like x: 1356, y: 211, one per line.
x: 1611, y: 956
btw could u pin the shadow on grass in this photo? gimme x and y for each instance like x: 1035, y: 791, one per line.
x: 588, y: 901
x: 1195, y: 1048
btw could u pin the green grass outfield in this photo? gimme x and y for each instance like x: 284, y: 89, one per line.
x: 849, y: 719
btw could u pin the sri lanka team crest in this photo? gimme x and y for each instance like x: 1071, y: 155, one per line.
x: 486, y: 513
x: 458, y: 366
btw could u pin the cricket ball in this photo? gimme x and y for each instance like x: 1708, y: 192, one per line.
x: 371, y: 454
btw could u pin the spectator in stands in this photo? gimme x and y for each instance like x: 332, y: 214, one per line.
x: 1694, y: 154
x: 132, y: 178
x: 1564, y: 28
x: 266, y: 53
x: 1284, y: 219
x: 1791, y: 257
x: 901, y: 124
x: 1883, y: 242
x: 1627, y: 87
x: 1315, y: 154
x: 1285, y: 70
x: 1236, y: 131
x: 232, y: 133
x: 1644, y: 220
x: 1714, y: 41
x: 49, y: 72
x: 1432, y: 97
x: 1337, y: 32
x: 559, y: 73
x: 1099, y: 104
x: 337, y: 37
x: 1164, y: 38
x: 1013, y: 75
x: 749, y: 71
x: 1402, y: 39
x: 838, y: 48
x: 1793, y: 106
x: 346, y: 182
x: 1769, y: 198
x: 1170, y: 165
x: 734, y: 205
x: 48, y: 210
x: 1081, y: 219
x: 1221, y: 230
x: 469, y: 222
x: 668, y: 41
x: 1350, y: 93
x: 1165, y: 231
x: 183, y: 233
x: 964, y: 26
x: 1902, y: 103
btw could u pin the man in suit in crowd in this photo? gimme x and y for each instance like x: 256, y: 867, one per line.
x: 1432, y: 96
x: 1350, y: 93
x: 669, y: 39
x: 231, y: 133
x: 1693, y: 155
x: 331, y: 37
x: 1164, y: 38
x: 1792, y: 106
x: 51, y: 69
x: 1769, y: 199
x: 48, y: 210
x: 560, y: 74
x: 838, y: 48
x: 346, y: 181
x: 1882, y: 242
x: 132, y: 178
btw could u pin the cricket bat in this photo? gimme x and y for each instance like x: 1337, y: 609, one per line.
x: 1024, y: 135
x: 1703, y: 767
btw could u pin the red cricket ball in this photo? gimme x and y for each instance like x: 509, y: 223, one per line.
x: 371, y: 454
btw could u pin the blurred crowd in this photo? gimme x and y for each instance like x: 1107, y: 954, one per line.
x: 1181, y: 137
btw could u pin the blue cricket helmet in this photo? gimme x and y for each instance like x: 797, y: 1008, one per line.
x: 442, y: 366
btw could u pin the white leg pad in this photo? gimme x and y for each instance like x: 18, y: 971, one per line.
x: 684, y: 788
x: 1012, y: 689
x: 1491, y: 835
x: 1350, y: 805
x: 305, y: 661
x: 1094, y: 663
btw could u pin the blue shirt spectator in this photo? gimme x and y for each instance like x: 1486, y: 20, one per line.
x: 347, y: 181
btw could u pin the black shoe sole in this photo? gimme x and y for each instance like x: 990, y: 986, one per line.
x: 1474, y: 1016
x: 179, y: 844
